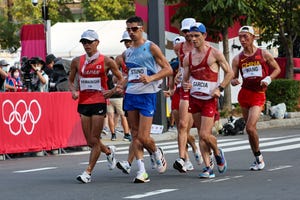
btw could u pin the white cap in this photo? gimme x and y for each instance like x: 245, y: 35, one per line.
x: 247, y: 29
x: 186, y: 23
x: 89, y: 35
x: 125, y: 36
x: 178, y: 39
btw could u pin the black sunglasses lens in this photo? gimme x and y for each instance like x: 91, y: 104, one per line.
x: 134, y: 29
x: 87, y: 42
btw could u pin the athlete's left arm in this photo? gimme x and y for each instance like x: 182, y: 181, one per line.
x: 161, y: 60
x: 272, y: 63
x: 222, y: 62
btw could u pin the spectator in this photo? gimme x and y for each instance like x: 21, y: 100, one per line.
x: 3, y: 74
x: 50, y: 61
x: 13, y: 81
x: 58, y: 80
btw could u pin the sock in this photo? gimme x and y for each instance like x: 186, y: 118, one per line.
x: 256, y: 154
x: 141, y: 165
x: 183, y: 159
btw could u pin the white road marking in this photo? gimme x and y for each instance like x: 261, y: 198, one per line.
x: 283, y: 148
x: 147, y: 194
x: 265, y: 144
x: 34, y: 170
x: 280, y: 167
x: 226, y: 178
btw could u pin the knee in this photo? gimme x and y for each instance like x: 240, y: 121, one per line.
x: 183, y: 124
x: 250, y: 128
x: 93, y: 141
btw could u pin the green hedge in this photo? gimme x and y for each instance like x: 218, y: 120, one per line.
x: 284, y: 91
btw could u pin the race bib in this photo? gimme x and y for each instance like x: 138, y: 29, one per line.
x: 134, y: 74
x: 199, y: 86
x: 252, y: 71
x: 90, y: 84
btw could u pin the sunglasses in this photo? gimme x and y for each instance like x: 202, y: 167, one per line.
x: 133, y: 29
x: 185, y: 31
x: 87, y: 41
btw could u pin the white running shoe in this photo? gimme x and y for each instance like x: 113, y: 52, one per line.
x: 105, y: 131
x: 161, y: 162
x: 188, y: 165
x: 179, y: 165
x: 211, y: 161
x: 84, y: 177
x: 198, y: 157
x: 142, y: 177
x: 124, y: 166
x: 258, y: 164
x: 111, y: 157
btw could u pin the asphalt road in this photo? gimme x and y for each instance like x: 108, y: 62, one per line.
x: 53, y: 177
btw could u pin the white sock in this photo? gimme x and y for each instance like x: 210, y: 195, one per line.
x: 141, y: 165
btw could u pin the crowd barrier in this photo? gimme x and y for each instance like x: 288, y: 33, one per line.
x: 37, y: 121
x: 282, y: 63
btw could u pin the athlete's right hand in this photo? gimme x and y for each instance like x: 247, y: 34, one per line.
x: 168, y: 93
x: 235, y: 82
x: 186, y: 86
x: 75, y: 95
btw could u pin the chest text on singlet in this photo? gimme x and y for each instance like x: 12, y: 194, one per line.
x: 90, y: 84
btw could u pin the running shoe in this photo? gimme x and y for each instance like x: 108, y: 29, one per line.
x: 211, y: 160
x: 198, y: 157
x: 142, y: 177
x: 124, y: 166
x: 84, y: 177
x: 111, y: 157
x: 221, y: 162
x: 258, y: 164
x: 105, y: 131
x: 179, y: 165
x: 161, y: 162
x: 113, y: 137
x: 152, y: 160
x: 127, y: 137
x: 207, y: 173
x: 188, y: 166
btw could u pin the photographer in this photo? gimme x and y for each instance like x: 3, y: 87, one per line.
x: 58, y: 80
x: 35, y: 79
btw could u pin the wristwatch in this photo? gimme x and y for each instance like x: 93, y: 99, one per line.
x: 221, y: 88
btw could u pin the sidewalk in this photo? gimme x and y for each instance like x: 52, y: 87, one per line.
x: 292, y: 120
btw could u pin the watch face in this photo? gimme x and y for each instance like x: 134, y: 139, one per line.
x: 221, y: 88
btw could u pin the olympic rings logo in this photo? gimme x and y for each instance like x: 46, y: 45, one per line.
x: 20, y: 118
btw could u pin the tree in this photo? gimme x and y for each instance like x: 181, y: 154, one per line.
x: 20, y: 12
x: 280, y: 17
x: 218, y: 16
x: 107, y: 9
